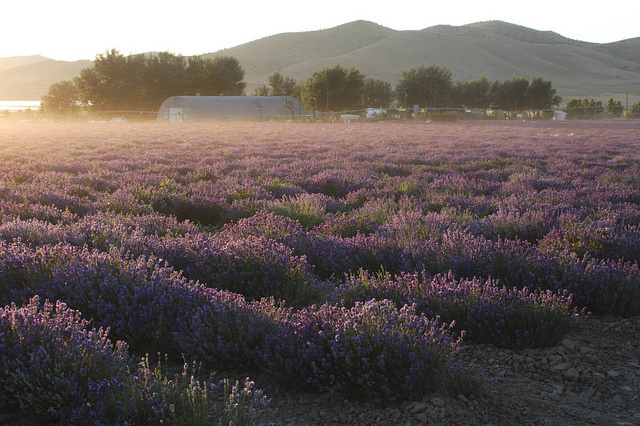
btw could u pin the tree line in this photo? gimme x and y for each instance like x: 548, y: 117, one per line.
x: 142, y: 82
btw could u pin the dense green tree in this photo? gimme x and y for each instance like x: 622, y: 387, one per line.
x: 425, y: 86
x: 217, y: 76
x: 593, y: 107
x: 110, y: 85
x: 143, y: 82
x: 61, y: 99
x: 262, y: 90
x: 377, y: 93
x: 583, y: 108
x: 541, y: 95
x: 615, y: 107
x: 281, y: 86
x: 290, y: 87
x: 510, y: 94
x: 335, y: 89
x: 472, y: 94
x: 164, y: 76
x: 635, y: 110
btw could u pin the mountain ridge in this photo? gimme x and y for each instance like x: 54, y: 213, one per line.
x: 495, y: 49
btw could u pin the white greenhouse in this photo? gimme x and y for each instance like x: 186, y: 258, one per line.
x: 198, y: 109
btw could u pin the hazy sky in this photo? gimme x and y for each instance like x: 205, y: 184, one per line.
x: 78, y: 29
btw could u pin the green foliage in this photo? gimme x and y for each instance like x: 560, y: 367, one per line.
x: 62, y: 98
x: 377, y: 93
x: 307, y: 209
x: 583, y: 108
x: 217, y: 76
x: 162, y: 77
x: 473, y: 93
x: 110, y: 84
x: 335, y: 89
x: 615, y: 107
x: 143, y: 82
x: 283, y: 86
x: 428, y: 86
x: 262, y: 90
x: 510, y: 95
x: 541, y: 95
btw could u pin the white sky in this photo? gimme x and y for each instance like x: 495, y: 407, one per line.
x: 80, y: 29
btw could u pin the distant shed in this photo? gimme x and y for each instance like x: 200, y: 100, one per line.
x: 197, y: 109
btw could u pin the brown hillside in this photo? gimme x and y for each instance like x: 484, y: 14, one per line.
x: 18, y: 61
x: 31, y: 81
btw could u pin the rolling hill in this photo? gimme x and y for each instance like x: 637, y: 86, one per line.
x: 496, y: 49
x: 28, y: 78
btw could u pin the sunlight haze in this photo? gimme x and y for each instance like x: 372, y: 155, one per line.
x: 73, y: 29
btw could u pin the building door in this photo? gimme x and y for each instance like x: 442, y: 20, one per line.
x: 175, y: 115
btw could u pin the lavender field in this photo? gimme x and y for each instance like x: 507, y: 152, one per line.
x: 347, y: 259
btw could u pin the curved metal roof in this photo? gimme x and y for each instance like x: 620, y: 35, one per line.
x: 232, y: 108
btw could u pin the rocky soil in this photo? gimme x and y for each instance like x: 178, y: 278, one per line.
x: 591, y: 378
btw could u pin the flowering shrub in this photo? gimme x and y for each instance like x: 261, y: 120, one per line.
x: 56, y: 370
x: 308, y: 209
x: 373, y: 350
x: 144, y: 303
x: 52, y: 365
x: 244, y: 405
x: 486, y: 312
x: 345, y: 226
x: 253, y: 266
x: 604, y: 240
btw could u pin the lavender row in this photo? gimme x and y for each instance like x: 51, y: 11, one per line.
x: 58, y: 371
x: 268, y: 255
x: 565, y: 187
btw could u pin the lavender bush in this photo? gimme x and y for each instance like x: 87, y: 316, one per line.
x: 481, y: 309
x: 52, y: 365
x: 373, y: 351
x: 54, y: 369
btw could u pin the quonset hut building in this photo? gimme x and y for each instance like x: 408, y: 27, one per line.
x: 198, y: 109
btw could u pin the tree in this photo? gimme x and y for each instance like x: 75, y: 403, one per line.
x: 573, y: 107
x: 335, y: 89
x: 510, y: 95
x: 143, y: 82
x: 280, y: 86
x: 615, y: 107
x: 164, y: 75
x: 541, y: 95
x: 472, y: 94
x: 583, y: 108
x: 635, y: 110
x: 376, y: 93
x: 290, y: 87
x: 61, y: 99
x: 110, y: 84
x: 592, y: 107
x: 262, y: 90
x: 428, y: 86
x: 217, y: 76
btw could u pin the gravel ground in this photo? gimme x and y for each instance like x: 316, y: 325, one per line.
x: 592, y: 377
